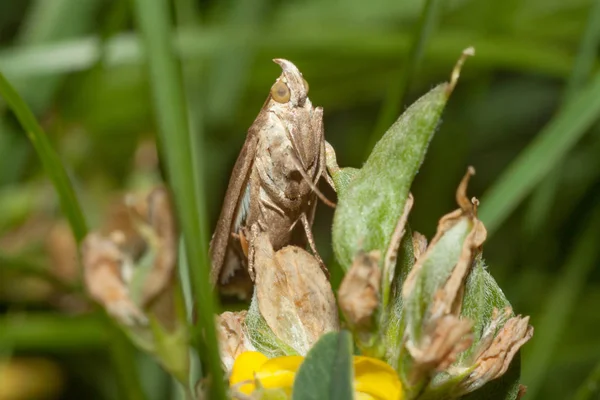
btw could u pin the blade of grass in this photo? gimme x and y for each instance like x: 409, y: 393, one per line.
x: 185, y: 173
x: 561, y: 300
x: 504, y: 52
x: 52, y: 332
x: 49, y: 158
x: 541, y: 155
x: 586, y: 56
x: 187, y: 14
x: 590, y: 388
x: 542, y: 199
x: 392, y: 106
x: 24, y: 266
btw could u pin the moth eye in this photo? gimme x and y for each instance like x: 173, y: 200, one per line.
x: 280, y: 92
x: 306, y: 87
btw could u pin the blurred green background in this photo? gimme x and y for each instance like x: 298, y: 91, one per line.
x: 524, y: 114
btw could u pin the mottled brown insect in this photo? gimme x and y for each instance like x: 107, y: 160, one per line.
x: 272, y: 187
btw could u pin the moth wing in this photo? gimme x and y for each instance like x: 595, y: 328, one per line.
x: 234, y: 195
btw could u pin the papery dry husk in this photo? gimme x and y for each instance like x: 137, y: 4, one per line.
x: 102, y: 261
x: 419, y: 244
x: 233, y: 340
x: 110, y: 261
x: 497, y: 350
x: 294, y: 296
x: 359, y: 292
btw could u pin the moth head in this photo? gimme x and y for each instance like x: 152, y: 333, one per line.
x: 290, y: 88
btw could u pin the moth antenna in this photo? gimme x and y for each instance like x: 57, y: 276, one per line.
x: 312, y: 185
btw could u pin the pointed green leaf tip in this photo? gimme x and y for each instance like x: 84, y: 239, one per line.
x: 327, y: 372
x: 372, y: 199
x: 369, y: 208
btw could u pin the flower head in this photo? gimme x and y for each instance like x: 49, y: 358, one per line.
x: 373, y: 378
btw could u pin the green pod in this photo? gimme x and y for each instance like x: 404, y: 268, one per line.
x: 371, y: 204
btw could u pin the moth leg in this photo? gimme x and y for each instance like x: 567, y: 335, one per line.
x: 254, y: 231
x: 311, y: 242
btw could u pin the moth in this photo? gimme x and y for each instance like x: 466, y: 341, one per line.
x: 273, y: 186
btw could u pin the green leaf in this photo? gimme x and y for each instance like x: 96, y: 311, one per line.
x: 49, y: 158
x: 368, y: 210
x: 327, y: 372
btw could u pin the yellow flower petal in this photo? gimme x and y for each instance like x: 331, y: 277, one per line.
x: 376, y: 378
x: 373, y: 378
x: 279, y: 372
x: 363, y: 396
x: 245, y: 367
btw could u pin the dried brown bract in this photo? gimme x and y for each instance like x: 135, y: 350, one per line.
x: 496, y: 350
x: 359, y: 292
x: 436, y: 333
x: 294, y: 296
x: 126, y: 280
x: 419, y: 244
x: 232, y: 338
x: 444, y: 338
x: 103, y: 262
